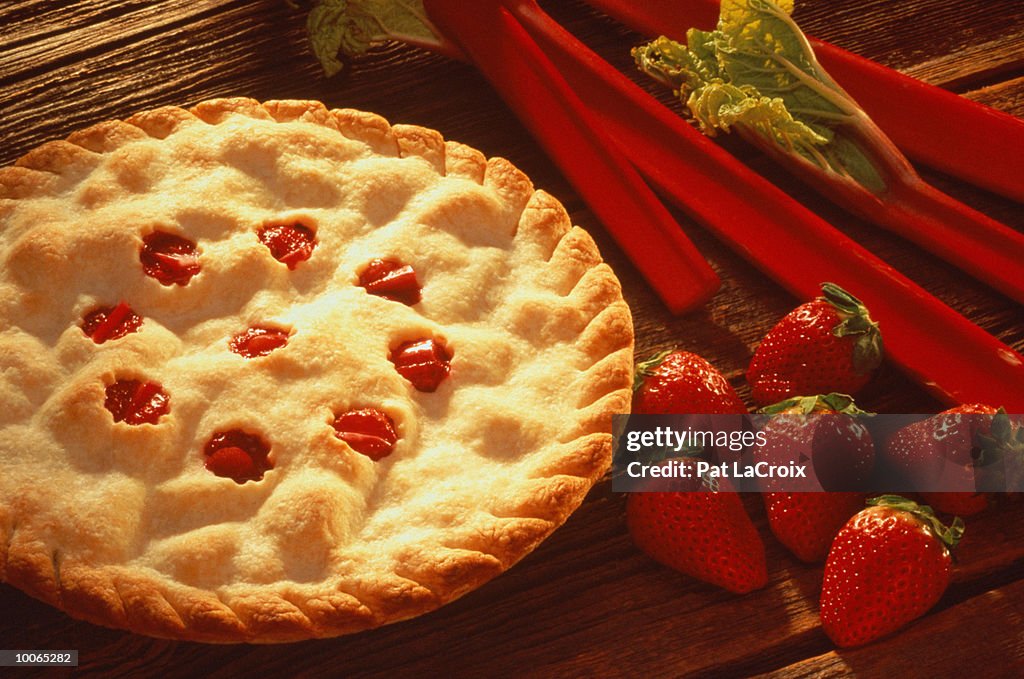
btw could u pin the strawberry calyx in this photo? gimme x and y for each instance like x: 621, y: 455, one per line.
x: 391, y: 280
x: 1005, y: 438
x: 948, y: 535
x: 1004, y: 442
x: 645, y: 369
x: 820, y: 403
x: 855, y: 321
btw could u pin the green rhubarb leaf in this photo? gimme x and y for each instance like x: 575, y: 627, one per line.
x: 353, y: 26
x: 756, y: 73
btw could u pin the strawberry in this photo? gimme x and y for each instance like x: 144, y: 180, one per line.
x: 967, y: 448
x: 958, y: 504
x: 888, y: 566
x: 826, y: 430
x: 807, y: 523
x: 827, y: 345
x: 842, y: 455
x: 682, y: 383
x: 704, y: 534
x: 974, y: 446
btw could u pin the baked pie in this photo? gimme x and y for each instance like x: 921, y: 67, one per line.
x: 271, y: 371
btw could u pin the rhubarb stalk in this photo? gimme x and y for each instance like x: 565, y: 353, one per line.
x: 936, y: 127
x: 758, y: 75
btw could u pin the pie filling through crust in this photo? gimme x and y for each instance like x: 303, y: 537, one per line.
x: 271, y: 372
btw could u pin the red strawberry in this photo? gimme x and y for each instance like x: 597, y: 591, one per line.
x: 707, y: 535
x: 827, y: 345
x: 807, y: 523
x: 704, y: 534
x: 888, y: 566
x: 919, y: 451
x: 967, y: 448
x: 826, y: 431
x: 683, y: 383
x: 841, y: 452
x: 958, y: 504
x: 982, y: 448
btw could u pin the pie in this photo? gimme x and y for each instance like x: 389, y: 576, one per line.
x: 271, y: 372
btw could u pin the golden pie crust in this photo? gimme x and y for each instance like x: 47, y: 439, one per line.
x: 122, y: 524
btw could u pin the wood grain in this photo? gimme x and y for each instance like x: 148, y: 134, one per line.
x: 586, y: 602
x: 960, y: 636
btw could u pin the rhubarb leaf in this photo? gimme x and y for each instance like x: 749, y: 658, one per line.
x: 353, y: 26
x: 756, y: 72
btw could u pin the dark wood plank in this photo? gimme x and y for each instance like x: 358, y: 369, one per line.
x: 973, y: 35
x: 66, y: 34
x: 963, y: 636
x: 1006, y: 96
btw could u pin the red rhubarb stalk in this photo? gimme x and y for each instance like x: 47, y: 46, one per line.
x: 763, y: 81
x: 936, y: 127
x: 987, y: 249
x: 953, y: 358
x: 606, y: 181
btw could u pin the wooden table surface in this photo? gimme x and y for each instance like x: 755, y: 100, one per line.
x: 586, y: 602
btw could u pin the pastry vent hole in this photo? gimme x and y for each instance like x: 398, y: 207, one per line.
x: 238, y: 455
x: 259, y: 340
x: 290, y: 243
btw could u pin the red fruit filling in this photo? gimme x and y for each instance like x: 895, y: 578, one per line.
x: 135, y: 402
x: 110, y: 323
x: 288, y: 243
x: 170, y: 259
x: 391, y: 280
x: 367, y: 431
x: 424, y: 362
x: 237, y: 455
x: 258, y: 341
